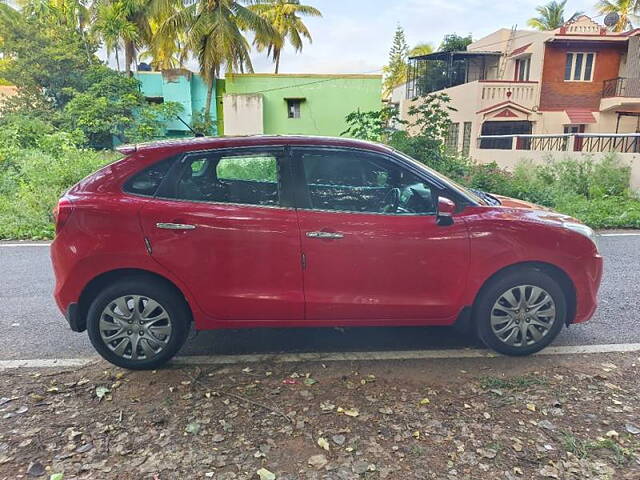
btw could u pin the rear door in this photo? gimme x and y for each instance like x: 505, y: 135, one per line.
x: 220, y: 223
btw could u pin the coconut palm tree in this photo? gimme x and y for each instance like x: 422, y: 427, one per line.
x: 114, y: 28
x: 163, y: 51
x: 551, y: 16
x: 626, y: 10
x: 421, y: 49
x: 284, y: 16
x: 215, y: 36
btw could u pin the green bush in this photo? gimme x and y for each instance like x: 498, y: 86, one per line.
x: 33, y: 177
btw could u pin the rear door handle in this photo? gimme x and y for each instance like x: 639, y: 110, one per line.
x: 175, y: 226
x: 325, y: 235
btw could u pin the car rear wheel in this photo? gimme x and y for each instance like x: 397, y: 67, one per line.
x: 520, y: 312
x: 137, y: 324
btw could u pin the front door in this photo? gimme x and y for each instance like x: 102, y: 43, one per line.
x: 372, y: 247
x: 221, y: 227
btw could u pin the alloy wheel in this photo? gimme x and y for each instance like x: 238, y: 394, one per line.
x: 523, y: 315
x: 135, y: 327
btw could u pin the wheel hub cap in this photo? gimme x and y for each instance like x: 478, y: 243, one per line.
x: 523, y: 315
x: 135, y: 327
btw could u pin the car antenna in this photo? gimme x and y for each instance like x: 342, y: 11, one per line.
x: 195, y: 134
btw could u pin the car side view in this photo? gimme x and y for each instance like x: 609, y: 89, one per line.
x: 273, y: 231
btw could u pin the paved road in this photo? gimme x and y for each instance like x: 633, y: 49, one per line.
x: 32, y: 327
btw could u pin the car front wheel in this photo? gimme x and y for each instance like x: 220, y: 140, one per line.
x: 138, y: 324
x: 520, y: 312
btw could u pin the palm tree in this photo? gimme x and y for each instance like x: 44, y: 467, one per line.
x: 421, y: 49
x: 163, y: 51
x: 626, y: 10
x: 114, y: 28
x: 214, y: 36
x: 284, y: 16
x: 551, y: 16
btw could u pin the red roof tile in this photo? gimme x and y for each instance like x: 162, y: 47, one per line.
x: 580, y: 116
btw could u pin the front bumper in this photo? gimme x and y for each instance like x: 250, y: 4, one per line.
x: 587, y: 290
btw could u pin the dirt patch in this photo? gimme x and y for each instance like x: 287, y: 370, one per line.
x: 541, y: 417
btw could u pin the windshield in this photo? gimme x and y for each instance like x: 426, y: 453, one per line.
x: 456, y: 186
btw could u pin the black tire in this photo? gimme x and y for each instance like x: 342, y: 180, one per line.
x: 496, y: 287
x: 168, y: 299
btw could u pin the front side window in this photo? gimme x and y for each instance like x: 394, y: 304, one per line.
x: 249, y: 178
x: 579, y: 67
x: 352, y: 181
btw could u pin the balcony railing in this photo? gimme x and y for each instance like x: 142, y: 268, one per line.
x: 569, y: 142
x: 621, y: 87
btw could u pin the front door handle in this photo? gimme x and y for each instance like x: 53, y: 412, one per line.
x: 325, y: 235
x: 175, y: 226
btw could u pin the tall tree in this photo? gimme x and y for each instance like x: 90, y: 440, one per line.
x: 284, y: 17
x: 395, y: 72
x: 626, y: 10
x: 550, y: 16
x: 215, y: 36
x: 114, y: 28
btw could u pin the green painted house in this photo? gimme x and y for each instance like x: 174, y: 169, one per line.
x: 250, y: 104
x: 183, y: 87
x: 296, y: 104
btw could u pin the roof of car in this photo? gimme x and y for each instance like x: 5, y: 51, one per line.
x: 202, y: 143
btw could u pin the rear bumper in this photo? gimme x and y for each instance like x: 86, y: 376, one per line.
x: 72, y: 314
x: 587, y: 286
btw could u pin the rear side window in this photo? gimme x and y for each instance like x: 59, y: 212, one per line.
x: 248, y: 177
x: 148, y: 180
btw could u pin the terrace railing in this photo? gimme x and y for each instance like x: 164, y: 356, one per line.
x: 568, y: 142
x: 621, y: 87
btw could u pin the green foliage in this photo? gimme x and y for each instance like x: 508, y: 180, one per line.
x: 430, y: 117
x: 455, y: 43
x: 151, y: 120
x: 203, y: 124
x: 37, y: 164
x: 372, y: 125
x: 395, y: 72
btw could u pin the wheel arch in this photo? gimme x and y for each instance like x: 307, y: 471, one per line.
x: 93, y: 288
x: 553, y: 271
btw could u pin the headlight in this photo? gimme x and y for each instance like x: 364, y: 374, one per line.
x: 582, y: 230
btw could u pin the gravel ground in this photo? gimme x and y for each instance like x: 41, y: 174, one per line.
x: 566, y: 417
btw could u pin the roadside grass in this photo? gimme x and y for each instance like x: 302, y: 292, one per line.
x: 584, y: 448
x: 515, y: 384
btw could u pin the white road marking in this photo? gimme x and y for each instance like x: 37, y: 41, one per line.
x: 332, y: 357
x: 14, y: 245
x: 630, y: 234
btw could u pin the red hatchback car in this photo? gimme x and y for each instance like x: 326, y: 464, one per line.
x: 302, y: 231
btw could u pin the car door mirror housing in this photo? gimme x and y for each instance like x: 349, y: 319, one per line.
x: 446, y: 209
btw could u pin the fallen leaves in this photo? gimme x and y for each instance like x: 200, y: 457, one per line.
x: 349, y: 412
x: 265, y: 474
x: 323, y: 443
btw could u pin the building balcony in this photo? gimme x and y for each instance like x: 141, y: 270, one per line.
x: 620, y: 93
x: 492, y: 92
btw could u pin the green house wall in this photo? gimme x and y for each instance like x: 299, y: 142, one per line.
x: 328, y: 99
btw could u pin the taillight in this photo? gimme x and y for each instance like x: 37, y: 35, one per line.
x: 62, y: 212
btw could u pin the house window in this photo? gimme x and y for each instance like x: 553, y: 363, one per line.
x: 492, y: 128
x: 523, y: 68
x: 579, y: 67
x: 452, y: 137
x: 466, y: 138
x: 293, y: 107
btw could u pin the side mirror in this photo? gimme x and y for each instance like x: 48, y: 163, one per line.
x: 446, y: 209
